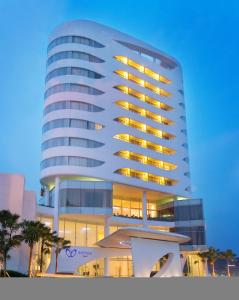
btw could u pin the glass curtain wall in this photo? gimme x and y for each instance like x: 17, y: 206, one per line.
x: 80, y: 234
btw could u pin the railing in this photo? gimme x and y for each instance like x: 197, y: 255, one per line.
x: 149, y: 218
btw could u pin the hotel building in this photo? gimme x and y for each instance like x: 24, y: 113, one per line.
x: 115, y: 164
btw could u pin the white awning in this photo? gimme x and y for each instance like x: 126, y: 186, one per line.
x: 121, y: 237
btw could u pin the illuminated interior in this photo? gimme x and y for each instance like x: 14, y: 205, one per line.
x: 127, y: 202
x: 145, y: 160
x: 143, y: 112
x: 145, y: 176
x: 132, y: 208
x: 155, y: 89
x: 142, y: 97
x: 118, y: 267
x: 144, y: 143
x: 144, y: 128
x: 125, y: 60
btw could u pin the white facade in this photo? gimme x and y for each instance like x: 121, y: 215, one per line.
x: 109, y: 45
x: 114, y: 143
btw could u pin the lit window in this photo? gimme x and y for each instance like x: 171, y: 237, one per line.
x: 125, y: 60
x: 146, y: 160
x: 145, y: 176
x: 143, y: 83
x: 145, y: 113
x: 144, y: 143
x: 144, y: 128
x: 142, y: 97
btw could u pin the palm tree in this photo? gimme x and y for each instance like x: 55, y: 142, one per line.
x: 212, y: 255
x: 204, y: 257
x: 59, y: 244
x: 46, y: 243
x: 10, y: 236
x: 196, y: 262
x: 31, y: 231
x: 229, y: 256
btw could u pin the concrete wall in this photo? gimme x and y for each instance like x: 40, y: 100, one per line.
x: 14, y: 198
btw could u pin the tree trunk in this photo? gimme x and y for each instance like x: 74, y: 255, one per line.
x: 228, y: 270
x: 199, y: 274
x: 206, y: 267
x: 213, y: 270
x: 30, y: 262
x: 41, y: 256
x: 56, y: 263
x: 5, y: 264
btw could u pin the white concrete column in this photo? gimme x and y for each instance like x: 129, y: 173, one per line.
x: 144, y: 208
x: 56, y: 204
x: 106, y: 259
x: 47, y: 196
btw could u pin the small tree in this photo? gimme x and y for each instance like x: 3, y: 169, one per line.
x: 59, y: 244
x: 212, y: 255
x: 10, y: 236
x: 204, y: 257
x: 31, y: 231
x: 47, y: 238
x: 229, y: 256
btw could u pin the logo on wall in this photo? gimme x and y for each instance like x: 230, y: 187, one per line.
x: 84, y: 253
x: 71, y: 252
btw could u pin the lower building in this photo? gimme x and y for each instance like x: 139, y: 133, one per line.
x: 161, y: 239
x: 17, y: 200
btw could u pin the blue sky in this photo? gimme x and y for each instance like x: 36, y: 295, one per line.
x: 202, y: 35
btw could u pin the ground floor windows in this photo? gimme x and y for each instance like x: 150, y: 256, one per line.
x: 81, y: 234
x: 92, y: 269
x: 118, y: 267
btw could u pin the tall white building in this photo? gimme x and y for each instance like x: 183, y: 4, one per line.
x: 114, y: 148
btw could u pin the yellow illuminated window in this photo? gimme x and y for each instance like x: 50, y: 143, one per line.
x: 143, y: 112
x: 144, y: 128
x: 146, y: 160
x: 145, y: 176
x: 144, y: 143
x: 142, y: 97
x: 125, y: 60
x: 143, y: 83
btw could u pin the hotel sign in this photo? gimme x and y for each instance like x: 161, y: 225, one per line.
x: 72, y: 252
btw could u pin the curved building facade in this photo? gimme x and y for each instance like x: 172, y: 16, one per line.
x: 114, y: 138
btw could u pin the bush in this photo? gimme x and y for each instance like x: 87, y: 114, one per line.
x: 13, y: 274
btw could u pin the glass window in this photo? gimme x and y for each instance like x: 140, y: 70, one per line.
x: 85, y: 197
x: 81, y: 231
x: 73, y: 55
x: 72, y: 87
x: 70, y: 160
x: 121, y: 266
x: 100, y: 232
x: 70, y: 232
x: 75, y: 123
x: 72, y: 71
x: 74, y: 39
x: 75, y: 142
x: 61, y: 228
x: 91, y: 235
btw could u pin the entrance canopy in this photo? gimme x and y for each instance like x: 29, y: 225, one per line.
x: 122, y: 237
